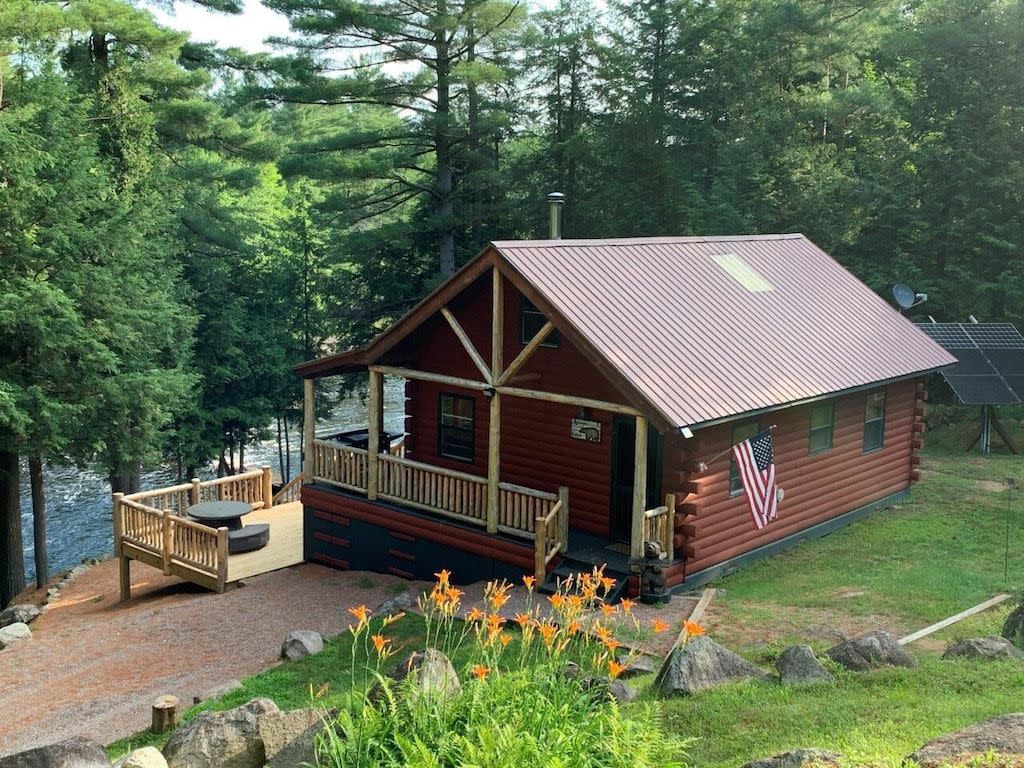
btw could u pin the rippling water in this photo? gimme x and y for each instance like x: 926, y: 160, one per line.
x: 78, y: 505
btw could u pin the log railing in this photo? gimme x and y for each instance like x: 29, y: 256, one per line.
x: 434, y: 489
x: 551, y: 531
x: 290, y: 491
x: 519, y: 507
x: 659, y: 525
x: 339, y: 464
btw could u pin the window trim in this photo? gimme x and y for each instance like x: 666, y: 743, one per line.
x: 831, y: 427
x: 867, y: 399
x: 734, y: 471
x: 441, y: 426
x: 527, y: 307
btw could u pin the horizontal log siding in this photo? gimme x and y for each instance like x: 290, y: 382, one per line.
x: 536, y: 449
x: 817, y: 487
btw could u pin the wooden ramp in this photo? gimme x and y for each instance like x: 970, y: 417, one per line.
x: 284, y: 548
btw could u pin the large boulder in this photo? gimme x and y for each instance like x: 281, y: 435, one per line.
x: 14, y: 633
x: 288, y: 737
x: 991, y: 647
x: 797, y: 758
x: 798, y: 664
x: 702, y: 664
x: 301, y: 642
x: 1013, y: 627
x: 1003, y: 735
x: 397, y: 604
x: 146, y: 757
x: 877, y: 648
x: 73, y: 753
x: 229, y: 739
x: 428, y: 673
x: 23, y: 614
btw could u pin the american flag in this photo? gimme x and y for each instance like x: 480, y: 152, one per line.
x: 756, y: 462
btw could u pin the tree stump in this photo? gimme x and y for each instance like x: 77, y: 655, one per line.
x: 165, y: 713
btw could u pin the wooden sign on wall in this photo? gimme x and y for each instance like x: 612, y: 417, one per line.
x: 585, y: 429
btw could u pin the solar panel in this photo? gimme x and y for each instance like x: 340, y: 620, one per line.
x: 990, y: 367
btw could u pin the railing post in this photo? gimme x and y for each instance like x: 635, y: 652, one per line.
x: 494, y: 464
x: 195, y: 493
x: 268, y: 487
x: 376, y: 413
x: 124, y: 564
x: 563, y: 518
x: 636, y: 539
x: 540, y: 549
x: 670, y: 525
x: 168, y: 540
x: 222, y: 560
x: 308, y: 427
x: 118, y: 524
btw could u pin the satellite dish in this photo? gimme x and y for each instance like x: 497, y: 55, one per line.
x: 904, y: 295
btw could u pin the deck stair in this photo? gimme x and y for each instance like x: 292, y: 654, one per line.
x: 571, y: 567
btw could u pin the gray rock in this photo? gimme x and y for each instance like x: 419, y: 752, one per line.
x: 1013, y: 627
x: 146, y: 757
x: 429, y: 673
x: 702, y: 664
x: 992, y: 647
x: 571, y: 670
x: 877, y: 648
x: 396, y: 604
x: 301, y: 642
x: 1003, y: 735
x: 797, y: 758
x: 288, y: 737
x: 19, y: 614
x: 798, y: 664
x: 14, y: 633
x: 73, y: 753
x: 606, y: 688
x: 229, y: 739
x: 220, y: 691
x: 636, y: 666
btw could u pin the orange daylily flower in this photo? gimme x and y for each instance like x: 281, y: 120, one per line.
x: 504, y: 639
x: 693, y: 629
x: 530, y: 582
x: 575, y: 602
x: 443, y: 576
x: 522, y: 619
x: 494, y: 622
x: 573, y: 628
x: 608, y: 583
x: 475, y: 614
x: 361, y: 612
x: 556, y: 600
x: 615, y: 669
x: 547, y: 631
x: 480, y: 671
x: 393, y: 618
x: 380, y: 643
x: 627, y: 605
x: 659, y: 626
x: 497, y: 600
x: 607, y: 610
x: 611, y: 644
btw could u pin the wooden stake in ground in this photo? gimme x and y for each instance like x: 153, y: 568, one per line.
x: 165, y: 714
x: 954, y: 619
x: 695, y: 615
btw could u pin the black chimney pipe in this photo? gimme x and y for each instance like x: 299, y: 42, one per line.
x: 555, y: 202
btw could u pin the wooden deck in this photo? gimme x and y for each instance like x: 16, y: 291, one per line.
x: 284, y: 548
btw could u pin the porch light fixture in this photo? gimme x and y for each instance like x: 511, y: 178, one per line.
x: 686, y: 432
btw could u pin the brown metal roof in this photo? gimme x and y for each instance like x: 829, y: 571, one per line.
x: 708, y: 328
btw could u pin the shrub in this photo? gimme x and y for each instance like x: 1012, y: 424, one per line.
x: 518, y: 705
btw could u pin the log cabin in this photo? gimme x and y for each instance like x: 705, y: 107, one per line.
x: 568, y: 400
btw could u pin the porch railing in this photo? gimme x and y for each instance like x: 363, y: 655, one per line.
x: 551, y: 532
x: 447, y: 492
x: 659, y: 525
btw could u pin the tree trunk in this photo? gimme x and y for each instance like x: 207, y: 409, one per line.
x: 442, y: 145
x: 287, y: 452
x: 241, y: 455
x: 35, y: 473
x: 12, y: 556
x: 128, y: 481
x: 280, y: 451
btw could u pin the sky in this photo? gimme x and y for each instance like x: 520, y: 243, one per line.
x: 247, y: 30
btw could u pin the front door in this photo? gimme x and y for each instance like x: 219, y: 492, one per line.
x: 623, y: 455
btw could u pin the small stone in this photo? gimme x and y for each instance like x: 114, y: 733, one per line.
x: 702, y: 664
x: 288, y: 737
x: 301, y: 642
x: 19, y: 614
x: 1013, y: 627
x: 878, y: 648
x: 14, y: 633
x: 571, y: 670
x: 220, y: 691
x: 621, y: 691
x: 798, y: 664
x: 605, y: 688
x: 72, y: 753
x: 992, y: 647
x: 397, y: 604
x: 430, y: 673
x: 797, y: 758
x: 636, y: 665
x: 1003, y: 735
x: 146, y: 757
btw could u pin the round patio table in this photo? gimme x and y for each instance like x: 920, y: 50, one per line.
x: 216, y: 514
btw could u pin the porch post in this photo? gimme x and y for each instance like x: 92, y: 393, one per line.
x: 494, y: 424
x: 376, y: 408
x: 636, y: 539
x: 308, y: 428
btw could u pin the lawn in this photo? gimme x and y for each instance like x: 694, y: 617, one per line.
x: 900, y: 569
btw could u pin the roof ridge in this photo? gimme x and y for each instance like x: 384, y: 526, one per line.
x: 632, y: 241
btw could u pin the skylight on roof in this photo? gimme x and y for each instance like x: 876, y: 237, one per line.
x: 742, y: 273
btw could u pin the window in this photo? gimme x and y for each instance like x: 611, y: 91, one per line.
x: 740, y: 433
x: 531, y: 320
x: 874, y: 421
x: 823, y: 419
x: 455, y: 433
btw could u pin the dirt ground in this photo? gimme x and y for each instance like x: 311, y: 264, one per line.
x: 94, y: 666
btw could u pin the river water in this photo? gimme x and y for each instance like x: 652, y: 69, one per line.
x: 78, y: 504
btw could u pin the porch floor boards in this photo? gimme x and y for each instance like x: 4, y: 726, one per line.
x: 284, y: 548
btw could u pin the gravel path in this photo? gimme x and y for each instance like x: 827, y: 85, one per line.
x: 94, y: 666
